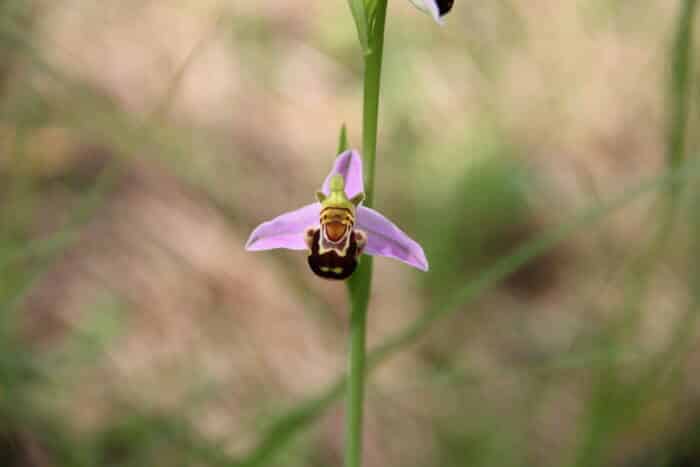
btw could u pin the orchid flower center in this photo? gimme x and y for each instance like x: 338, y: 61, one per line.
x: 337, y: 230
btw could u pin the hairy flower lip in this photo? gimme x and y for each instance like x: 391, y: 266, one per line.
x: 383, y: 237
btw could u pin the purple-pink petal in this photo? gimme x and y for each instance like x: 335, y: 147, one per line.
x: 285, y: 231
x: 385, y: 239
x: 349, y: 165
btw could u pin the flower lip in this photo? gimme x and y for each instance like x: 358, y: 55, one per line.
x: 335, y: 231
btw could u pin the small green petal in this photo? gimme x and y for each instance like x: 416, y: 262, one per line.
x: 343, y: 144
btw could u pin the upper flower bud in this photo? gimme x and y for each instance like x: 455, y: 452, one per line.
x: 436, y: 8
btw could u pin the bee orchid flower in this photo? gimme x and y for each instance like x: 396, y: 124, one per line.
x: 337, y: 229
x: 436, y: 8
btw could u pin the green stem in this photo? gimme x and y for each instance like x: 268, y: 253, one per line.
x: 373, y: 73
x: 359, y: 292
x: 360, y: 284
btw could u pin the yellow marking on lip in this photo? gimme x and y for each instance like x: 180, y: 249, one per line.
x: 333, y: 270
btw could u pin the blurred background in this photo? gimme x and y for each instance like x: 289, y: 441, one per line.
x: 141, y: 141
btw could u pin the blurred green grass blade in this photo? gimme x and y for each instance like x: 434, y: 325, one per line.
x: 617, y: 403
x: 668, y: 366
x: 281, y: 434
x: 359, y: 13
x: 41, y: 248
x: 287, y: 425
x: 531, y: 250
x: 678, y: 122
x: 685, y: 329
x: 681, y: 68
x: 138, y: 436
x: 680, y: 90
x: 46, y: 249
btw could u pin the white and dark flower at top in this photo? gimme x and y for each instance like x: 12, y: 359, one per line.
x: 337, y: 229
x: 436, y: 8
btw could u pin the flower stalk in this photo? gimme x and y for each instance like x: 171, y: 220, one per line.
x: 361, y: 283
x: 337, y: 229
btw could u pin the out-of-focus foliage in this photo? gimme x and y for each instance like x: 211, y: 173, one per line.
x: 485, y: 216
x: 140, y: 141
